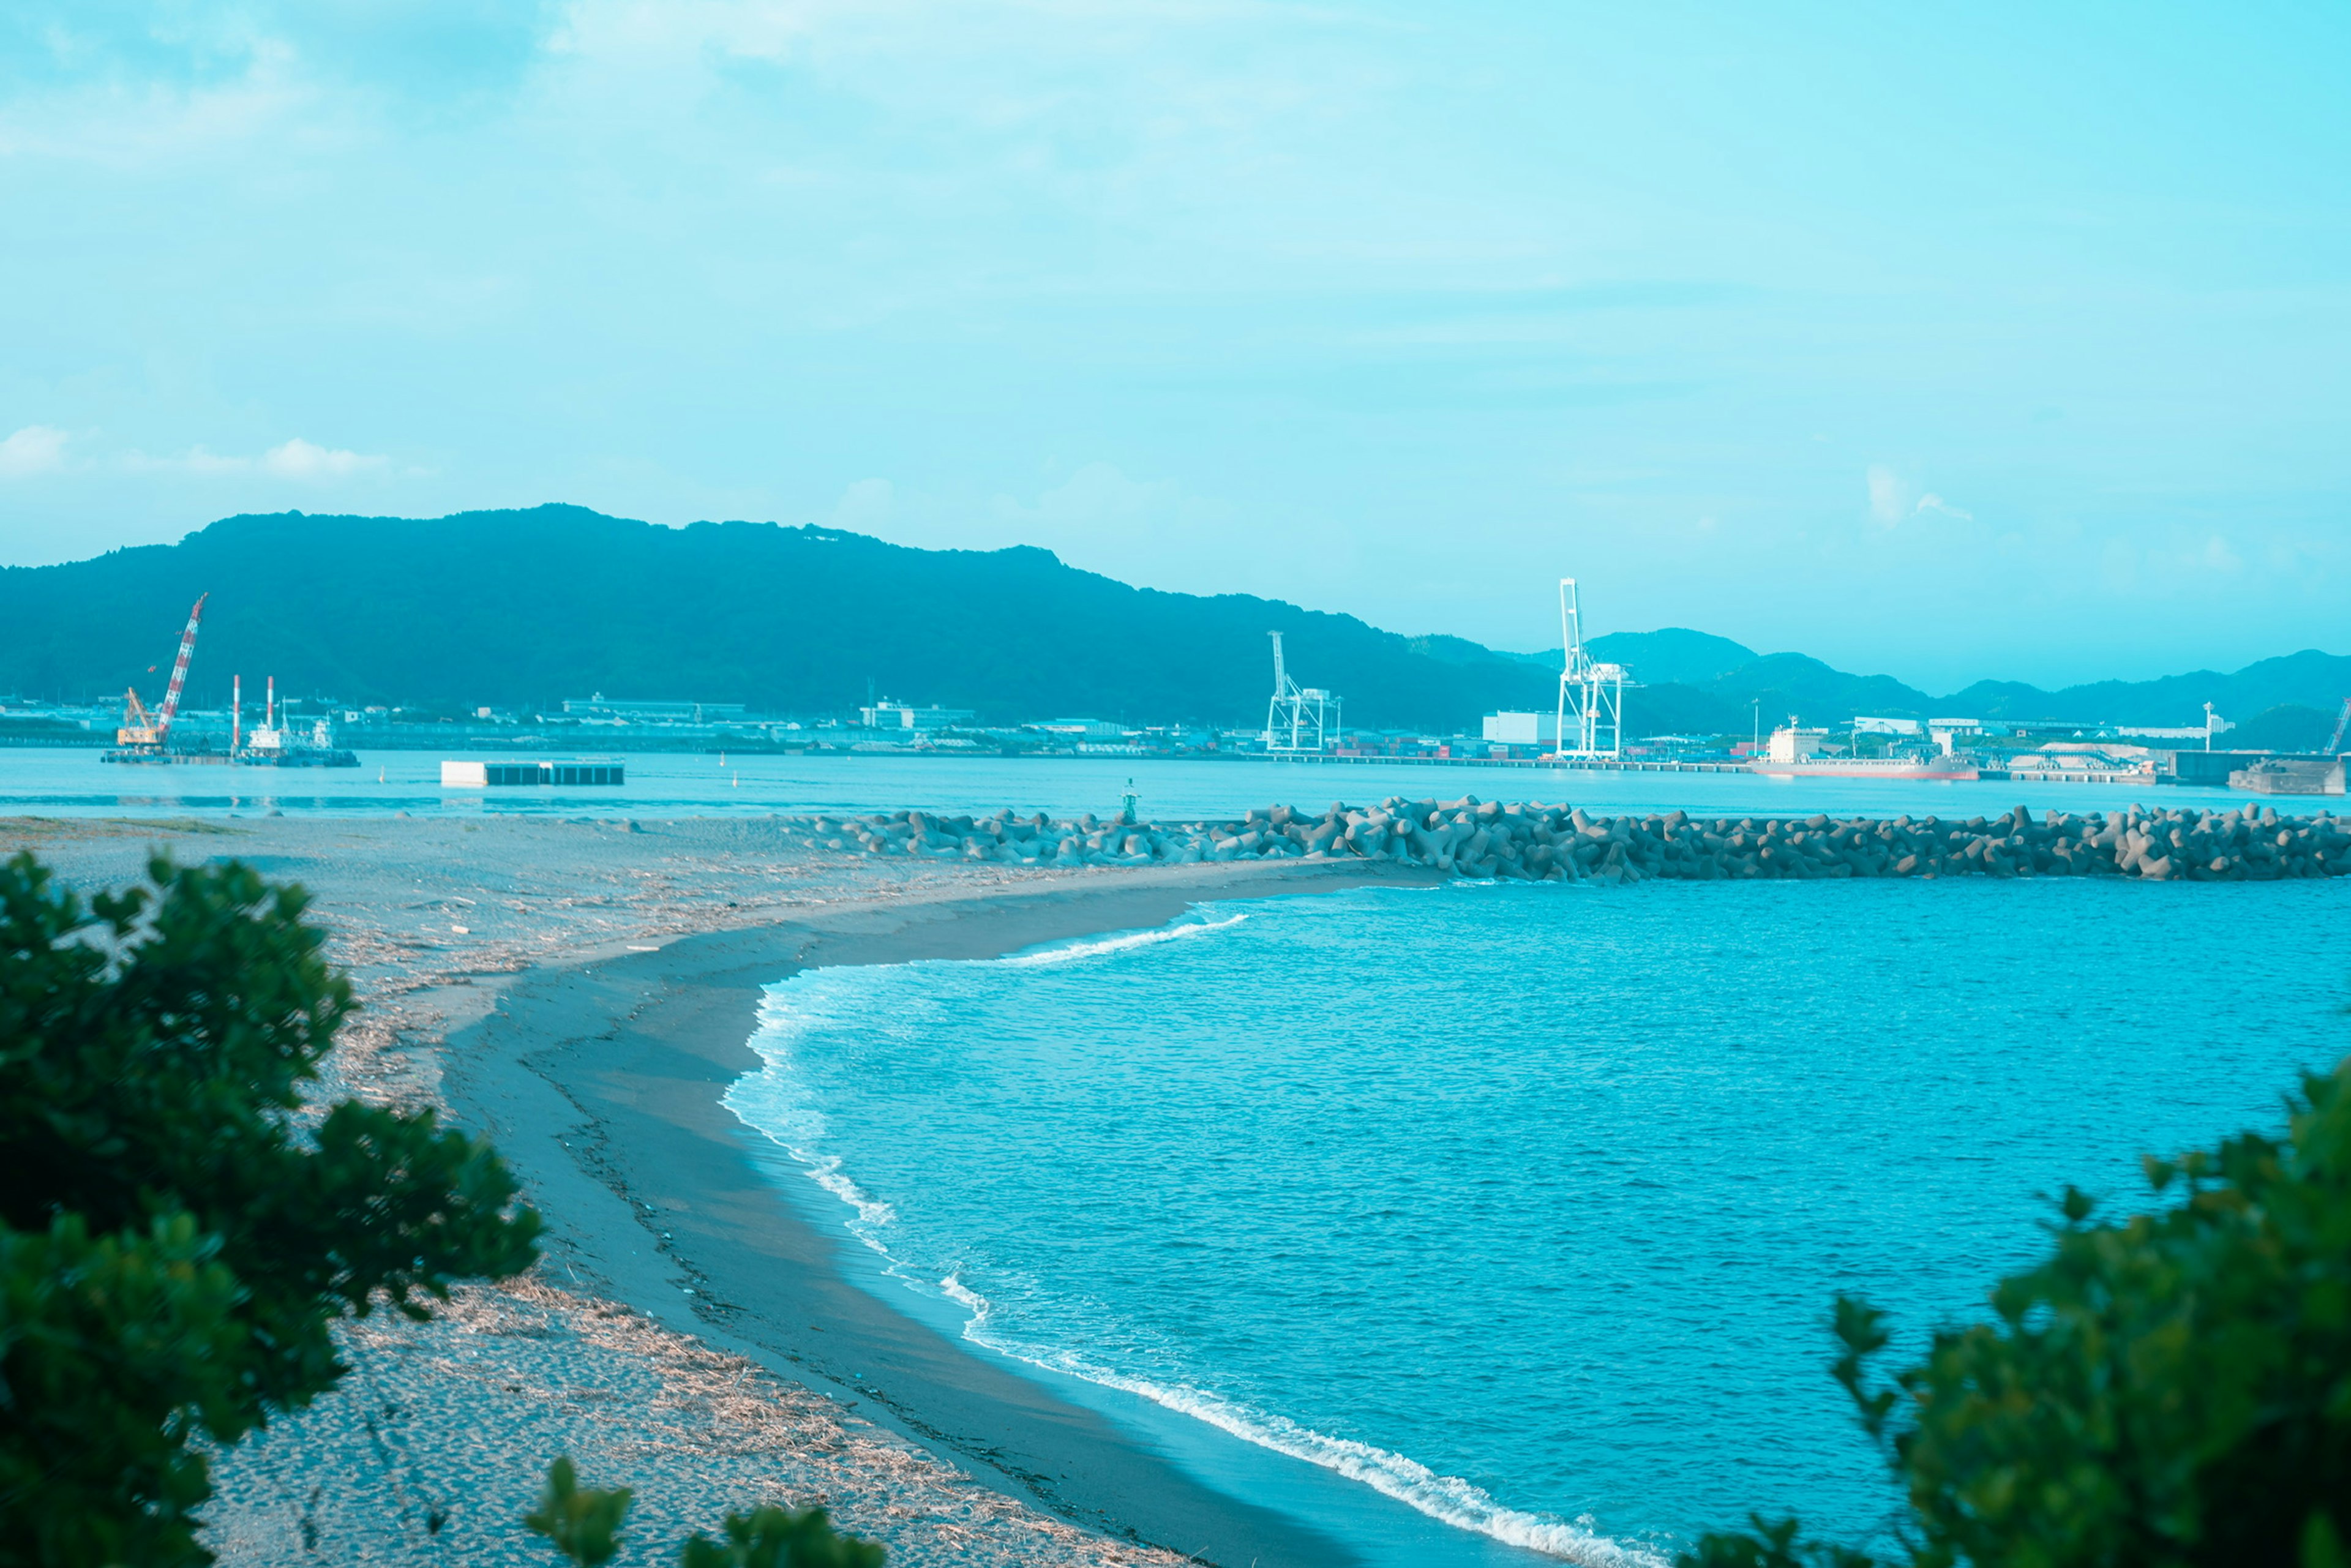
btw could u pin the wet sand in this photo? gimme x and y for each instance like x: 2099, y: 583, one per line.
x: 584, y: 992
x: 603, y: 1085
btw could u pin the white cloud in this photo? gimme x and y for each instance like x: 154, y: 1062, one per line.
x: 300, y: 459
x: 1885, y: 494
x: 1098, y: 496
x: 864, y: 507
x: 166, y: 118
x: 36, y: 449
x: 295, y: 459
x: 1891, y: 502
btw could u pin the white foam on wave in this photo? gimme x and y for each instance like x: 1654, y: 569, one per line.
x: 962, y: 1295
x: 871, y: 1212
x: 1122, y: 942
x: 1450, y: 1498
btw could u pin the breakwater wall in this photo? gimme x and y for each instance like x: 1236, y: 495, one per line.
x: 1535, y: 842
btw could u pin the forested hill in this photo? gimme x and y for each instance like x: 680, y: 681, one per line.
x: 531, y: 607
x: 526, y: 608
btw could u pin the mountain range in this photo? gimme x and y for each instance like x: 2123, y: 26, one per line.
x: 522, y: 608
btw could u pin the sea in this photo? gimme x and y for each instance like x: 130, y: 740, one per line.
x: 1503, y: 1223
x: 1474, y: 1224
x: 71, y: 781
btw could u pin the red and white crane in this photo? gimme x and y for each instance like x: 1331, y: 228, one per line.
x: 138, y: 728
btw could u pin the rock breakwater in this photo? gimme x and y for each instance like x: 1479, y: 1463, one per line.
x: 1536, y: 843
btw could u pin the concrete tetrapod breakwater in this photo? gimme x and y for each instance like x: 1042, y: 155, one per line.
x: 1536, y: 843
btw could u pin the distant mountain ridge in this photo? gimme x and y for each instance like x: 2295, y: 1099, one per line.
x: 526, y: 608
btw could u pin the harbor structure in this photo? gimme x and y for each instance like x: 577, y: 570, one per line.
x: 1589, y: 723
x: 593, y: 772
x: 1298, y: 720
x: 2291, y: 776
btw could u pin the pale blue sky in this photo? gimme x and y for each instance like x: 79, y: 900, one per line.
x: 1952, y: 342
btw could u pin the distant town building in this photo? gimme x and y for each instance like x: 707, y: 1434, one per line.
x: 603, y: 708
x: 888, y: 715
x: 1083, y: 729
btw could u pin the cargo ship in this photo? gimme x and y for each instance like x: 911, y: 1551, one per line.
x: 1961, y: 767
x: 1795, y: 754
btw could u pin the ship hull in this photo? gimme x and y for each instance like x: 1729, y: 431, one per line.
x: 1831, y: 769
x: 309, y: 756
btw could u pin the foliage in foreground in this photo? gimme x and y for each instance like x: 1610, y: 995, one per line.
x: 2170, y: 1389
x: 585, y: 1527
x: 176, y: 1237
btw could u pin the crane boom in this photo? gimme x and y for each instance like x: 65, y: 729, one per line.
x: 171, y: 707
x: 2342, y: 722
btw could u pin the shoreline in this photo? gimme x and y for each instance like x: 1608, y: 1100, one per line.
x: 602, y: 1083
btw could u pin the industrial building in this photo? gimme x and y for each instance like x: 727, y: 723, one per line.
x: 599, y: 707
x: 888, y: 715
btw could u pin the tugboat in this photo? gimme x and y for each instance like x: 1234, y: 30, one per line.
x: 274, y: 743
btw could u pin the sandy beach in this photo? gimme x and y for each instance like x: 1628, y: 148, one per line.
x: 583, y: 992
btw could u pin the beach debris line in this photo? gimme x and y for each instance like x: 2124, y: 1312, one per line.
x: 1535, y: 842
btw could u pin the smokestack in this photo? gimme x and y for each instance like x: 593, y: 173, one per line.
x: 235, y: 712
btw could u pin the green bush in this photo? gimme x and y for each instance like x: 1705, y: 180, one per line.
x: 585, y: 1527
x: 177, y: 1238
x: 2170, y: 1389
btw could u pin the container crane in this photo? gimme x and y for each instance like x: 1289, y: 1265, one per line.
x: 138, y: 729
x: 1591, y: 694
x: 1298, y: 720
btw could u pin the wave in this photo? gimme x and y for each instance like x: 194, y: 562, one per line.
x: 1447, y: 1498
x: 1121, y: 943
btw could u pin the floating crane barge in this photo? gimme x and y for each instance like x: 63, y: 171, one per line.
x: 145, y: 739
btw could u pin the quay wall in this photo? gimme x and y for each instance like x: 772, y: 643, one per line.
x: 1537, y: 842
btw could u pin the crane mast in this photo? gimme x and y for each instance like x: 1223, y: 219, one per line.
x: 179, y: 671
x: 138, y: 728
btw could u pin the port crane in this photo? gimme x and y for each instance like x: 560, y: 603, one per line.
x: 2342, y: 722
x: 1298, y: 720
x: 1591, y: 694
x: 138, y: 728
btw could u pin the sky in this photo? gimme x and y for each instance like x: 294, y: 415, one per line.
x: 2006, y: 341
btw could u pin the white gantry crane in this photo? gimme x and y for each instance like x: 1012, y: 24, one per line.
x: 1296, y: 720
x: 1591, y: 695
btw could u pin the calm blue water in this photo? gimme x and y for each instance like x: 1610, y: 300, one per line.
x: 1526, y: 1205
x: 64, y: 781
